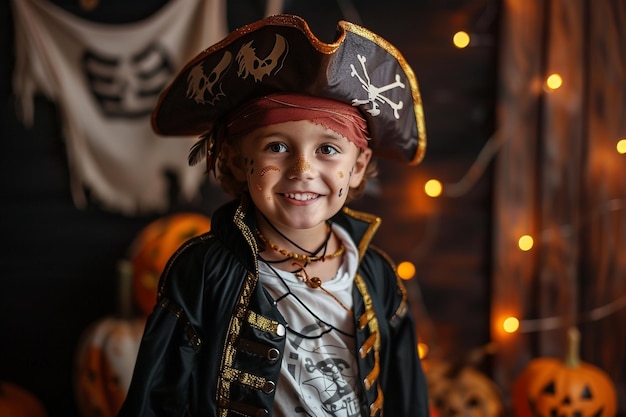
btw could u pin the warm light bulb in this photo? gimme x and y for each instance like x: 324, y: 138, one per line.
x: 406, y: 270
x: 422, y: 350
x: 510, y: 324
x: 525, y: 243
x: 433, y: 188
x: 554, y: 81
x: 461, y: 39
x: 621, y: 146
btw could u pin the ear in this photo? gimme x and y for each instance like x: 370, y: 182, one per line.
x: 360, y: 167
x: 235, y: 160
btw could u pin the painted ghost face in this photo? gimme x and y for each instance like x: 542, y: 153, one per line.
x: 299, y: 172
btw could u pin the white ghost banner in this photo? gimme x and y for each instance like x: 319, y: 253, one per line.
x: 106, y: 79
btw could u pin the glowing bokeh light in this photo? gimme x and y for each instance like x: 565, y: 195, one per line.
x: 510, y: 324
x: 621, y: 146
x: 554, y: 81
x: 422, y: 350
x: 461, y: 39
x: 525, y: 243
x: 433, y: 188
x: 406, y: 270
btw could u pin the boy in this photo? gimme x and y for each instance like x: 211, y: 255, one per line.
x: 283, y: 308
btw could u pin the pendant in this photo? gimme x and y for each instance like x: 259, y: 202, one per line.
x: 314, y: 282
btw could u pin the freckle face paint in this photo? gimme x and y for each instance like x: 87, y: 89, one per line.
x: 269, y: 168
x: 340, y: 174
x: 251, y: 166
x: 340, y: 192
x: 258, y: 187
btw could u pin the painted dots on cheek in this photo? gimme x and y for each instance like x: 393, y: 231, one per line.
x: 340, y: 192
x: 340, y: 174
x: 251, y: 166
x: 258, y: 187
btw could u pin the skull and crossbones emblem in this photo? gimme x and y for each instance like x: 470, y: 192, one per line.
x: 374, y: 93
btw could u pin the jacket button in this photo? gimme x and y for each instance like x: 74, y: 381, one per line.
x: 280, y: 330
x: 269, y: 386
x: 262, y: 412
x: 273, y: 354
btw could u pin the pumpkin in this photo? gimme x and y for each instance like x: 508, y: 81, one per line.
x: 462, y: 390
x: 104, y: 364
x: 16, y: 401
x: 564, y: 388
x: 154, y: 246
x: 519, y: 393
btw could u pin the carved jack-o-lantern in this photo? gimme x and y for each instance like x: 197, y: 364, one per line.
x: 105, y: 360
x: 153, y: 247
x: 519, y: 397
x: 569, y: 388
x: 462, y: 391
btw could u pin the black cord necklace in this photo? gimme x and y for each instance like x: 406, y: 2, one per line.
x: 329, y: 326
x: 310, y: 253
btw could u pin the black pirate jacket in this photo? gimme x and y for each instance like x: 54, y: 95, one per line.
x: 213, y: 345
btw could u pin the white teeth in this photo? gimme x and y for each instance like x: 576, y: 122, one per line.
x: 302, y: 196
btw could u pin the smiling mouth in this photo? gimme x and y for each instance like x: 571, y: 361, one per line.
x: 301, y: 196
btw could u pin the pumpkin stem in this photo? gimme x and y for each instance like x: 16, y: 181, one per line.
x: 572, y: 358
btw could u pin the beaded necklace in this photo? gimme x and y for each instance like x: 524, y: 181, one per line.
x: 307, y: 259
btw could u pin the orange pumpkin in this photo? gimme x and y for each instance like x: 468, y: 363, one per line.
x: 462, y: 391
x: 104, y: 365
x: 16, y: 401
x: 519, y: 394
x: 565, y: 388
x: 153, y: 247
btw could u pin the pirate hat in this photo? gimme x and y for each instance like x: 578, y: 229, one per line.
x: 281, y: 54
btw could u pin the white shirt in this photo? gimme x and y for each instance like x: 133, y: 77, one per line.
x: 319, y: 372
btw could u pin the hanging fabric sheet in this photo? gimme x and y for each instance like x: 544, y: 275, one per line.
x: 105, y: 80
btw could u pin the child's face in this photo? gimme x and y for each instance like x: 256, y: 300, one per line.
x: 299, y: 172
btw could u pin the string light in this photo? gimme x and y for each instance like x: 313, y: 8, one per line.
x: 433, y: 188
x: 461, y: 39
x: 621, y: 146
x: 525, y: 243
x: 556, y: 322
x: 406, y: 270
x: 422, y: 350
x: 554, y: 81
x: 511, y: 324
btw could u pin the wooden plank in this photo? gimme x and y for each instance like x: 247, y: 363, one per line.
x: 515, y: 186
x: 604, y: 270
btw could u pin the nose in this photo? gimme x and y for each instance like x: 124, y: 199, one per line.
x: 301, y: 168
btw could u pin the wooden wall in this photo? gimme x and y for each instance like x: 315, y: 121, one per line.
x: 560, y: 179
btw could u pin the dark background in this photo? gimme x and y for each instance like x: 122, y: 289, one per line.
x: 58, y: 264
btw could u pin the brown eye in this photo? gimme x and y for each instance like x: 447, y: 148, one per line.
x: 328, y: 150
x: 276, y: 147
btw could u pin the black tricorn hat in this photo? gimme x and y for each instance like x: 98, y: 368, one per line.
x: 281, y: 54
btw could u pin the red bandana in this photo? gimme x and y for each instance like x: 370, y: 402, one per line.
x: 340, y: 117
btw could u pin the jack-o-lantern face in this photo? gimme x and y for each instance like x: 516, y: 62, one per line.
x: 153, y: 247
x: 105, y: 359
x: 462, y: 392
x: 550, y: 387
x: 583, y: 391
